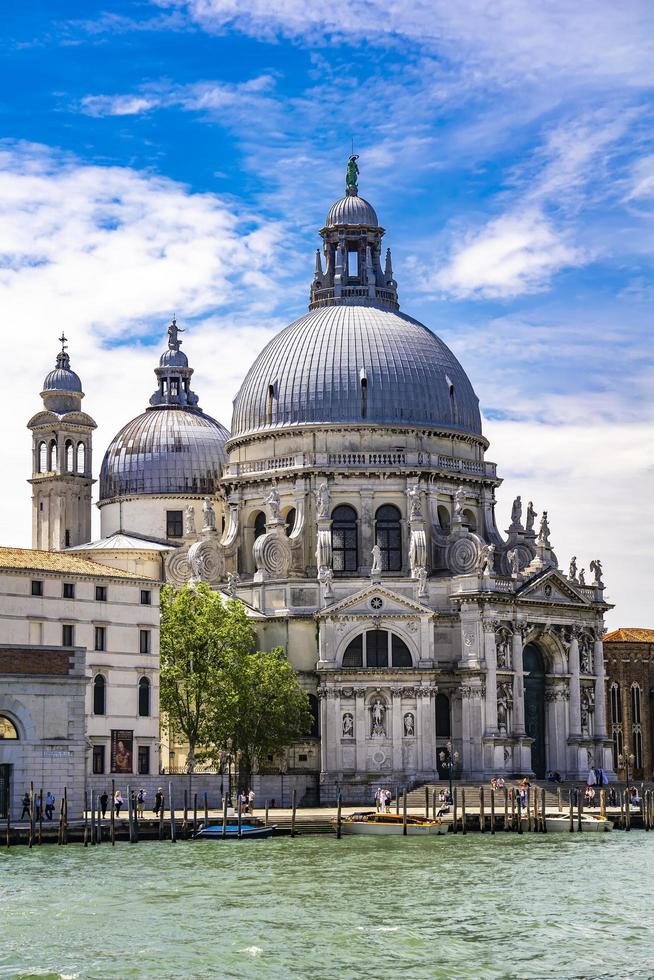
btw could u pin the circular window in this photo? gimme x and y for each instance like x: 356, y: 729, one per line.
x: 376, y: 603
x: 548, y: 591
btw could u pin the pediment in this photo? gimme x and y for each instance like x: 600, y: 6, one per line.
x: 361, y: 604
x: 552, y: 587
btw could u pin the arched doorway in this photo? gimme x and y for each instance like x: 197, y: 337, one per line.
x: 534, y: 669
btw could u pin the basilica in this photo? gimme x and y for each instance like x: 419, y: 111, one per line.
x: 352, y: 510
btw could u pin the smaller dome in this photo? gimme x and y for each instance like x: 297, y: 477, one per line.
x: 173, y: 358
x: 62, y: 379
x: 352, y: 210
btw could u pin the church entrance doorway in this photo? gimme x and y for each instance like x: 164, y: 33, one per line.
x: 534, y: 669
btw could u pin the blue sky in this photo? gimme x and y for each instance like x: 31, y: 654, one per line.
x: 181, y: 155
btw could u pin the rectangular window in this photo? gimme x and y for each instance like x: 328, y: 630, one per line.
x: 67, y: 635
x: 144, y: 641
x: 353, y: 263
x: 98, y: 760
x: 146, y: 597
x: 376, y: 648
x: 67, y: 539
x: 144, y: 760
x: 37, y: 587
x: 100, y: 638
x: 69, y: 590
x: 174, y: 524
x: 101, y: 593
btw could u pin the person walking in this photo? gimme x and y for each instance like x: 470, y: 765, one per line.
x: 378, y: 798
x: 49, y: 805
x: 158, y: 802
x: 140, y: 802
x: 26, y: 807
x: 104, y: 803
x: 251, y: 801
x: 118, y: 802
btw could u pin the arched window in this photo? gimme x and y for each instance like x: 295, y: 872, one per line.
x: 7, y: 729
x: 259, y: 524
x: 377, y: 648
x: 99, y: 695
x: 636, y: 728
x: 144, y: 697
x: 69, y: 456
x: 388, y: 535
x: 52, y: 456
x: 400, y: 653
x: 444, y: 518
x: 289, y: 522
x: 315, y: 716
x: 469, y: 519
x: 81, y: 457
x: 43, y: 458
x: 345, y: 550
x: 616, y: 723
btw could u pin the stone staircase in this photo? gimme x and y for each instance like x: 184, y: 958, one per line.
x: 416, y: 797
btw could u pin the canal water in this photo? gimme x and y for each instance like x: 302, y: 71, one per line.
x: 578, y: 906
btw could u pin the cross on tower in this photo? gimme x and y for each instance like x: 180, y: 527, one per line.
x: 63, y: 340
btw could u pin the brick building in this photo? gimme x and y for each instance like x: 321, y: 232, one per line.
x: 629, y: 658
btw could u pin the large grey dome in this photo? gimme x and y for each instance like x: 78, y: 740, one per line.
x: 352, y: 210
x: 351, y: 363
x: 167, y: 449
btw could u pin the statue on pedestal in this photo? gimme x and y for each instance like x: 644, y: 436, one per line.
x: 544, y: 531
x: 274, y: 503
x: 322, y: 501
x: 209, y: 515
x: 348, y: 725
x: 409, y: 725
x: 378, y: 716
x: 189, y: 520
x: 459, y: 501
x: 531, y: 516
x: 326, y: 577
x: 232, y: 581
x: 415, y: 508
x: 572, y: 571
x: 516, y: 512
x: 376, y: 568
x: 596, y: 568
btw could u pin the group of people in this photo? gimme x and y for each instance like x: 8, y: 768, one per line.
x: 497, y: 782
x: 48, y: 806
x: 246, y: 801
x: 383, y: 798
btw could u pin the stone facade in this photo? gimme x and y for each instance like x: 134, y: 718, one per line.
x: 42, y: 693
x: 70, y: 626
x: 629, y: 655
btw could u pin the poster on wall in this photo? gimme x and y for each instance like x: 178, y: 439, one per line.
x: 122, y: 750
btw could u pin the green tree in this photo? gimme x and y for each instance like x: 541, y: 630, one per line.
x: 199, y: 631
x: 261, y: 710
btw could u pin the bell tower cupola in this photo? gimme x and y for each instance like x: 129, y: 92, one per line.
x: 353, y: 274
x: 61, y: 461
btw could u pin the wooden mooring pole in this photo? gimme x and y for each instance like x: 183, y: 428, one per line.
x: 173, y: 826
x: 433, y: 805
x: 559, y: 800
x: 455, y: 805
x: 195, y: 813
x: 41, y: 815
x: 113, y: 812
x: 426, y: 802
x: 404, y: 824
x: 224, y: 828
x: 265, y: 819
x: 206, y: 810
x: 529, y: 826
x: 519, y: 801
x: 463, y: 812
x: 492, y: 802
x: 339, y: 828
x: 294, y: 811
x: 543, y: 825
x: 86, y: 824
x: 482, y: 812
x: 31, y: 816
x: 513, y: 826
x: 579, y: 812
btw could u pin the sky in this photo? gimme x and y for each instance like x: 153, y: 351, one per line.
x: 179, y: 156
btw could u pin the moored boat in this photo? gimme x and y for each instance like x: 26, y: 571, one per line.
x: 251, y: 827
x: 590, y: 823
x: 381, y: 824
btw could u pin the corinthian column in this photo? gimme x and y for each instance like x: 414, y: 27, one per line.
x: 518, y: 683
x: 575, y: 692
x: 600, y: 693
x: 490, y: 656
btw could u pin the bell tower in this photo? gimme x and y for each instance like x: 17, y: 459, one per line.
x: 61, y: 461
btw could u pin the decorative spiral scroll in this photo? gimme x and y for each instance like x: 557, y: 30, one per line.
x: 272, y: 554
x: 462, y: 555
x: 178, y: 570
x: 206, y: 562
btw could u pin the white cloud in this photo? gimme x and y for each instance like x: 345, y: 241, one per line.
x: 211, y: 97
x: 596, y: 483
x: 509, y: 39
x: 513, y: 254
x: 107, y: 254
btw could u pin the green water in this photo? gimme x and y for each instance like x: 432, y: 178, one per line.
x: 504, y: 906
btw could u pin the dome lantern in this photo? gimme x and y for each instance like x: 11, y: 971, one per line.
x: 173, y: 447
x: 352, y: 244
